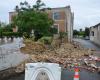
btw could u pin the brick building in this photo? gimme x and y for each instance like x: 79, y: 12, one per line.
x: 63, y: 19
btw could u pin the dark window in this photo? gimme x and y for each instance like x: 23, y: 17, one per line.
x: 56, y: 27
x: 92, y: 33
x: 56, y: 15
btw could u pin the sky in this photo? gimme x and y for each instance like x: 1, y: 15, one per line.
x: 86, y: 12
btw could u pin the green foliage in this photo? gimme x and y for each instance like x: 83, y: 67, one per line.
x: 27, y: 40
x: 79, y: 33
x: 25, y: 35
x: 75, y: 32
x: 63, y: 34
x: 11, y: 34
x: 0, y: 28
x: 38, y: 5
x: 46, y: 40
x: 82, y: 33
x: 37, y: 35
x: 6, y: 28
x: 53, y: 30
x: 87, y: 31
x: 29, y: 18
x: 0, y: 24
x: 8, y: 32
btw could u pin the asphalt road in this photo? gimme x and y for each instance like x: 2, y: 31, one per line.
x: 66, y: 75
x: 84, y: 75
x: 10, y: 54
x: 87, y: 44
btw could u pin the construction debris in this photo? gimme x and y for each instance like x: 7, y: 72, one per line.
x: 67, y: 55
x: 33, y: 47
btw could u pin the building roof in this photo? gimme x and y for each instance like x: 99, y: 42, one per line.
x: 61, y: 7
x: 95, y: 25
x: 58, y: 8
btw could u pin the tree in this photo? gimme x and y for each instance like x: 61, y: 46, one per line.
x: 80, y: 30
x: 32, y: 17
x: 38, y: 5
x: 82, y: 33
x: 75, y: 32
x: 87, y: 31
x: 0, y: 24
x: 8, y: 28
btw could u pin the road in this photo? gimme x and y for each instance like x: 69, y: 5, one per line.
x: 89, y: 44
x: 84, y: 75
x: 10, y: 55
x: 68, y: 75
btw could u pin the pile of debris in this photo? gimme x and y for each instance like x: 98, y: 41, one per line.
x: 91, y: 63
x: 33, y: 47
x: 67, y: 54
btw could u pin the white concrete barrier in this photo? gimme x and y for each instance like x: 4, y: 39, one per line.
x: 42, y: 71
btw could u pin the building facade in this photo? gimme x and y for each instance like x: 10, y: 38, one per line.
x: 63, y: 20
x: 95, y: 34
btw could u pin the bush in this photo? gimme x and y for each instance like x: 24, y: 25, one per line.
x: 63, y: 34
x: 25, y: 35
x: 12, y: 34
x: 27, y: 40
x: 37, y: 35
x: 53, y: 30
x: 46, y: 40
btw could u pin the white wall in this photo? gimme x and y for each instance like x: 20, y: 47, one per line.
x: 70, y: 20
x: 51, y: 69
x: 96, y: 37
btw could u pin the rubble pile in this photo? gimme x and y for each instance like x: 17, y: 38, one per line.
x: 33, y: 47
x: 66, y: 55
x: 91, y: 64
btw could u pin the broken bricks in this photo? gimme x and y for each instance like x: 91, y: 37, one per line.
x: 66, y: 55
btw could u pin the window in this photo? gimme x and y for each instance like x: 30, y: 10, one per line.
x: 56, y: 15
x: 92, y: 33
x: 56, y: 27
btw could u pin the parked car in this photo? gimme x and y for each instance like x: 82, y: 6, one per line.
x: 87, y: 38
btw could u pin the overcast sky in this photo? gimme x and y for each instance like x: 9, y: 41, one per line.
x: 86, y: 12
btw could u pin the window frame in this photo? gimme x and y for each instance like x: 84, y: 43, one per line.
x: 57, y: 26
x: 56, y: 15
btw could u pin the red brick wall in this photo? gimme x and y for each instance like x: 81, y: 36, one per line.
x: 60, y: 22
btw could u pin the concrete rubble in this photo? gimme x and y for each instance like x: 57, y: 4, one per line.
x: 91, y: 65
x: 67, y: 55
